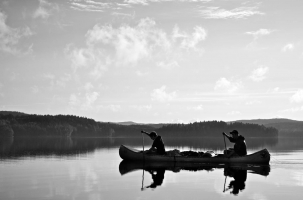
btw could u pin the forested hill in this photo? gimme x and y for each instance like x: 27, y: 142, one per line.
x: 286, y: 127
x: 69, y: 125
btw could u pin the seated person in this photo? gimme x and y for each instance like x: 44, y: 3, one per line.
x: 158, y: 144
x: 240, y: 145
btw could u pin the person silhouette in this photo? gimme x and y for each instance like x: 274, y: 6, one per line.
x: 157, y: 176
x: 158, y: 144
x: 238, y: 184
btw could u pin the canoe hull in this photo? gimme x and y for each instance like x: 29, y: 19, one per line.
x: 260, y: 157
x: 126, y: 167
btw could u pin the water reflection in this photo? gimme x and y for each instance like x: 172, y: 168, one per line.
x: 157, y: 171
x: 17, y: 147
x: 238, y: 184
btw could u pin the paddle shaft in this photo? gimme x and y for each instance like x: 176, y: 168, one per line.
x: 224, y: 142
x: 224, y: 184
x: 143, y: 142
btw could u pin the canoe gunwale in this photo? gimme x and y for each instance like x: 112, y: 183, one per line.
x: 259, y: 157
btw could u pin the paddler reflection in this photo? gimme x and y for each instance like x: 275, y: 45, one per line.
x: 238, y: 184
x: 157, y: 170
x: 157, y: 176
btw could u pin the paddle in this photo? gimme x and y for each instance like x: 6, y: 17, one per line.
x: 224, y: 140
x: 143, y: 140
x: 142, y: 188
x: 224, y: 184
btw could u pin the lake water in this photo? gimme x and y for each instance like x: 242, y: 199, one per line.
x: 90, y: 168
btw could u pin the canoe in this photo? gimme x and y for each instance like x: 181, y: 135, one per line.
x: 259, y: 157
x: 126, y: 167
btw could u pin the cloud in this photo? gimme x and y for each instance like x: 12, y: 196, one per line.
x: 88, y: 86
x: 292, y: 110
x: 189, y: 41
x: 10, y: 37
x: 227, y: 86
x: 197, y: 36
x: 196, y: 108
x: 256, y: 36
x: 259, y: 74
x: 90, y: 6
x: 89, y: 57
x: 128, y: 45
x: 57, y: 82
x: 252, y: 102
x: 45, y: 9
x: 234, y: 113
x: 288, y: 47
x: 142, y: 2
x: 237, y: 13
x: 297, y: 97
x: 140, y: 73
x: 84, y: 103
x: 74, y: 100
x: 168, y: 65
x: 259, y: 33
x: 141, y: 107
x: 146, y: 2
x: 161, y: 95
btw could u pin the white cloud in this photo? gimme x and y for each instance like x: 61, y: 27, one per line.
x: 297, y: 97
x: 146, y: 2
x: 259, y: 74
x: 168, y: 65
x: 292, y: 110
x: 35, y: 89
x: 142, y: 2
x: 74, y: 100
x: 196, y: 108
x: 89, y: 57
x: 142, y: 107
x: 90, y: 98
x: 127, y: 45
x: 45, y: 9
x: 288, y: 47
x: 234, y: 113
x: 140, y: 73
x: 115, y: 108
x: 161, y: 95
x: 88, y: 86
x: 259, y: 33
x: 252, y: 102
x: 237, y: 13
x: 227, y: 86
x: 86, y: 103
x: 276, y: 89
x: 188, y: 41
x: 10, y: 37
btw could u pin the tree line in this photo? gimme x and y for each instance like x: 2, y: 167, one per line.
x: 71, y: 125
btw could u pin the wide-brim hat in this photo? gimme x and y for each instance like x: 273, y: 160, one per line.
x: 234, y: 132
x: 153, y: 134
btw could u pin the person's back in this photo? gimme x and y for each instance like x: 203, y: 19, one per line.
x: 240, y: 145
x: 159, y: 145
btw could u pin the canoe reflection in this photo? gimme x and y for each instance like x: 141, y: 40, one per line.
x: 157, y: 171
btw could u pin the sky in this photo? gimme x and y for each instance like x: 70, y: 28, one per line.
x: 153, y: 61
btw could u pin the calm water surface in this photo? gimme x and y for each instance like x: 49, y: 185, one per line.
x: 78, y: 168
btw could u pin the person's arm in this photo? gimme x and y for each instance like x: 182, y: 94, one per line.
x: 229, y: 137
x: 145, y: 132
